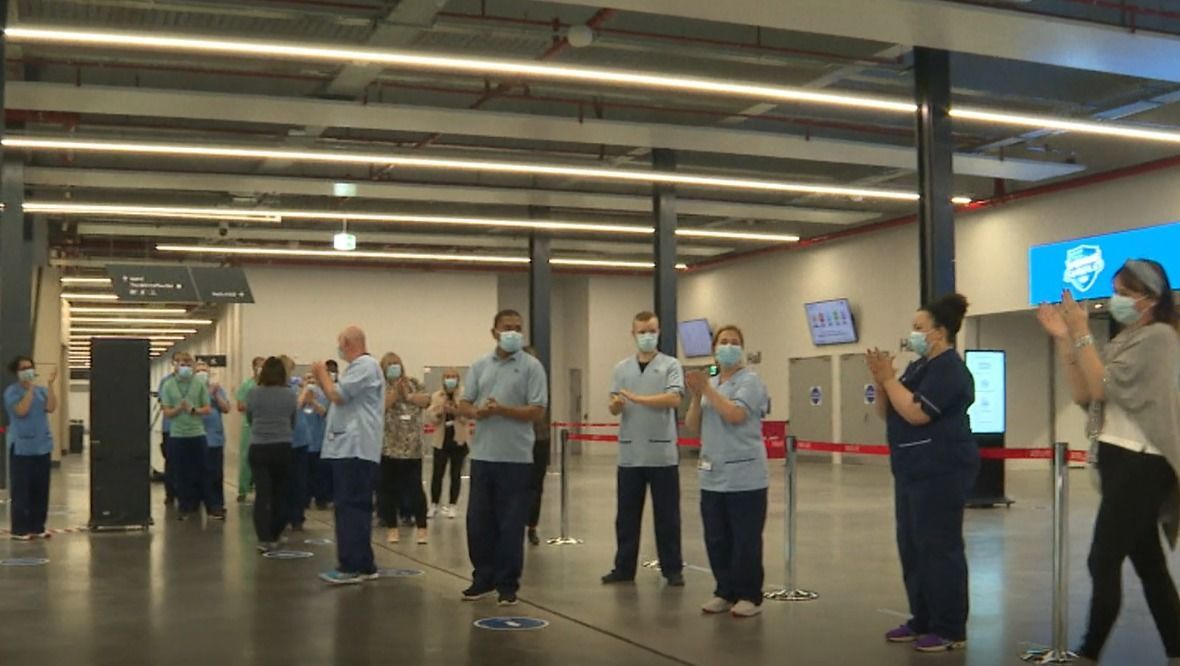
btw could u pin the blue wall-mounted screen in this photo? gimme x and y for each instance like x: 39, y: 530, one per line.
x: 989, y: 413
x: 1086, y: 266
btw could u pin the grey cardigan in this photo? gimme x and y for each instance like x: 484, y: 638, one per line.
x: 1143, y: 377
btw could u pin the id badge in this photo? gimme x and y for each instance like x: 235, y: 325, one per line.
x: 705, y: 465
x: 405, y: 417
x: 449, y: 424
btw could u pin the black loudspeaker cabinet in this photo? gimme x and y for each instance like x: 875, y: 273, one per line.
x: 989, y: 485
x: 120, y: 434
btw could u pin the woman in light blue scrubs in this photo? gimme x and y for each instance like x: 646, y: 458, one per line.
x: 726, y: 412
x: 30, y: 444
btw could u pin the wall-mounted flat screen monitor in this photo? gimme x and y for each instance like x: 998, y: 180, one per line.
x: 988, y: 415
x: 1086, y: 266
x: 695, y: 338
x: 831, y: 322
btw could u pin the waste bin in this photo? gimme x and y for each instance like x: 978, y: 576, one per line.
x: 77, y: 431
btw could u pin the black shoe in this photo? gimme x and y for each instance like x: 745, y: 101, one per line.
x: 616, y: 577
x: 297, y: 528
x: 241, y: 499
x: 507, y: 599
x: 217, y: 515
x: 182, y: 516
x: 676, y: 580
x: 533, y: 538
x: 476, y: 592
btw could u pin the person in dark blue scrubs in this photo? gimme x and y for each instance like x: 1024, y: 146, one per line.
x: 30, y: 445
x: 935, y: 461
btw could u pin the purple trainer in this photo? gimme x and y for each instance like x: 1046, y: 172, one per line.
x: 936, y: 643
x: 902, y: 634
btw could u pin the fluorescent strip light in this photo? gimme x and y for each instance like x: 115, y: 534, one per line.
x: 123, y: 210
x: 738, y: 235
x: 333, y: 254
x: 608, y: 263
x: 463, y: 64
x: 129, y: 311
x: 85, y: 339
x: 1066, y: 125
x: 85, y: 280
x: 620, y: 175
x: 139, y: 320
x: 146, y: 331
x: 88, y: 297
x: 961, y: 201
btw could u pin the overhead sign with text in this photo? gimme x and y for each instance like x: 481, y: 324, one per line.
x: 1086, y: 266
x: 179, y: 284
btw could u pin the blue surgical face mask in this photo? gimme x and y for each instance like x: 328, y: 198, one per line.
x: 917, y: 343
x: 728, y: 355
x: 451, y: 383
x: 184, y: 372
x: 1122, y: 308
x: 511, y: 341
x: 647, y: 342
x: 393, y: 372
x: 27, y: 375
x: 203, y: 377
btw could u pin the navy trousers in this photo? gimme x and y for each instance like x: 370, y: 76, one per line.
x: 733, y: 538
x: 214, y: 478
x: 496, y: 515
x: 299, y: 484
x: 353, y: 481
x: 633, y: 483
x: 30, y: 493
x: 169, y: 469
x: 933, y: 554
x: 186, y: 458
x: 319, y: 479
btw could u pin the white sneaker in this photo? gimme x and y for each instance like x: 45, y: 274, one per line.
x: 746, y: 609
x: 449, y: 511
x: 432, y: 511
x: 716, y: 605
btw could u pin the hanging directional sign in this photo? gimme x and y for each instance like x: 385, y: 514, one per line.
x: 225, y: 284
x: 148, y: 283
x: 511, y: 623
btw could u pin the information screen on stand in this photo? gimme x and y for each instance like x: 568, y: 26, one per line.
x: 989, y: 413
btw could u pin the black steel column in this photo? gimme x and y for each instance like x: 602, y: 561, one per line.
x: 16, y: 276
x: 936, y: 213
x: 540, y: 293
x: 663, y: 199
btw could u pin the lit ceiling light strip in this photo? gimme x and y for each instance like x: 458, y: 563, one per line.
x: 146, y: 331
x: 621, y: 175
x: 84, y: 339
x: 123, y: 210
x: 128, y: 311
x: 85, y: 280
x: 335, y: 254
x: 1066, y: 125
x: 139, y: 320
x: 738, y: 235
x: 608, y: 263
x: 464, y: 64
x: 88, y: 297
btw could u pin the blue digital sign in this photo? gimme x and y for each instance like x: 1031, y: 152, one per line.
x: 1086, y: 266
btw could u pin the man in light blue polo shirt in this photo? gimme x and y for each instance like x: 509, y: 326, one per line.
x: 506, y: 392
x: 645, y: 391
x: 354, y: 432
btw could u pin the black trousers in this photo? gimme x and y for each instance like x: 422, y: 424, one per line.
x: 1134, y: 486
x: 929, y: 515
x: 733, y: 538
x: 496, y: 515
x: 537, y: 481
x: 633, y: 483
x: 271, y: 466
x: 30, y: 493
x: 298, y: 495
x: 401, y: 486
x: 451, y: 457
x: 319, y: 479
x: 186, y: 463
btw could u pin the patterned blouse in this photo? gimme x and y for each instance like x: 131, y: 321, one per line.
x: 403, y: 427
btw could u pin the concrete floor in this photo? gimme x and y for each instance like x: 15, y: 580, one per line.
x: 197, y: 593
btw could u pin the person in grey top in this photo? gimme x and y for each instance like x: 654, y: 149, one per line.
x: 271, y: 409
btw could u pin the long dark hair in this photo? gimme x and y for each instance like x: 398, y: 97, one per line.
x: 1165, y: 305
x: 273, y: 373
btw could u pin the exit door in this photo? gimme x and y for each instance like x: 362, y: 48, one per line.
x: 859, y: 423
x: 811, y: 398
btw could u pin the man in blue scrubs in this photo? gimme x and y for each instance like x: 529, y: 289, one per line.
x: 645, y: 392
x: 214, y: 443
x: 355, y: 432
x: 506, y: 392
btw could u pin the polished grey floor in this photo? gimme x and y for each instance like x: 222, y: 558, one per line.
x: 196, y: 592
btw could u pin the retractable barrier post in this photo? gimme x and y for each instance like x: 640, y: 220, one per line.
x: 790, y: 592
x: 1058, y: 653
x: 565, y: 539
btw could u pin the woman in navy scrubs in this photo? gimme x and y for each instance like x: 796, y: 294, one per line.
x: 30, y: 444
x: 935, y: 462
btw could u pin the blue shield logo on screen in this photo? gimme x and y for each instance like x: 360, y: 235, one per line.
x: 1083, y: 265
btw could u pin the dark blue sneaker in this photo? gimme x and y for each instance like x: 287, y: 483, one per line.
x: 507, y: 599
x: 477, y: 592
x: 341, y: 578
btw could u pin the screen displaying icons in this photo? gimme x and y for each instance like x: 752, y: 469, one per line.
x: 831, y: 322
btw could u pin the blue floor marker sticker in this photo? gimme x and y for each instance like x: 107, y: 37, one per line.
x: 288, y: 555
x: 511, y: 623
x: 318, y: 542
x: 24, y: 562
x: 399, y: 573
